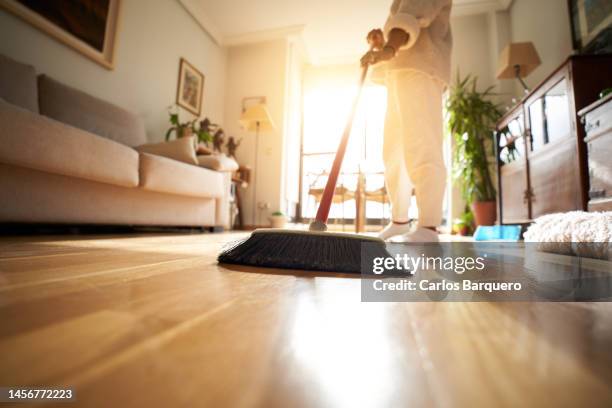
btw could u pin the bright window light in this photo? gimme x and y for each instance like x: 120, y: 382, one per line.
x: 326, y: 109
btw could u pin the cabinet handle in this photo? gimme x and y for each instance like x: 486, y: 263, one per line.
x: 528, y: 196
x: 591, y: 125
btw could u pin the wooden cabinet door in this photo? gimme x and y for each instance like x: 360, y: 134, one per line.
x: 555, y: 180
x: 514, y: 184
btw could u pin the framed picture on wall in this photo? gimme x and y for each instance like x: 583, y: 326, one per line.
x: 190, y: 88
x: 88, y: 26
x: 591, y: 25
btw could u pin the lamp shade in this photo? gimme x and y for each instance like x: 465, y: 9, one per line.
x: 254, y: 115
x: 522, y: 55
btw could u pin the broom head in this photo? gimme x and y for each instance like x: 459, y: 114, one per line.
x: 306, y: 250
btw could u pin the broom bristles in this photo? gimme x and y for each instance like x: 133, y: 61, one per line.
x: 290, y: 249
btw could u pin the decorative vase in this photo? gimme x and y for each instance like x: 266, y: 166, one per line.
x: 278, y: 221
x: 184, y: 131
x: 485, y: 212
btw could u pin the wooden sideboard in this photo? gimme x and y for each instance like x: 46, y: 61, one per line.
x: 540, y: 147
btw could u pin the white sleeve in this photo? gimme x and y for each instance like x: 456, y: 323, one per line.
x: 412, y: 15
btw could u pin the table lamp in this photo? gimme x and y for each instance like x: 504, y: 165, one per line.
x: 256, y: 118
x: 518, y: 60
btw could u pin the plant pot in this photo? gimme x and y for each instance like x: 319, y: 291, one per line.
x: 461, y: 229
x: 278, y: 221
x: 485, y: 212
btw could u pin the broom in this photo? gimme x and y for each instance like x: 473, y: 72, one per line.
x: 314, y: 249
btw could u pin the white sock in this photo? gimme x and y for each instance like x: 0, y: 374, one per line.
x: 392, y: 229
x: 419, y: 235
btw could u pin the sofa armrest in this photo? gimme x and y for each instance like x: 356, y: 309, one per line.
x: 218, y: 162
x: 170, y: 176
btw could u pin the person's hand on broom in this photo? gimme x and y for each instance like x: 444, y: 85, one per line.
x: 381, y: 51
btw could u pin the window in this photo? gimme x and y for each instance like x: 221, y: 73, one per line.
x: 326, y: 109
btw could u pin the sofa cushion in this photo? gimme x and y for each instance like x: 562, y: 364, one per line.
x: 18, y: 84
x: 181, y: 149
x: 87, y: 112
x: 170, y: 176
x: 37, y: 142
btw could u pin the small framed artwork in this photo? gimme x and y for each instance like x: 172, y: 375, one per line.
x: 190, y: 88
x: 88, y: 27
x: 591, y: 22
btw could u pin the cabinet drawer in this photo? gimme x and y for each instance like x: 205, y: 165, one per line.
x: 601, y: 205
x: 598, y: 120
x: 600, y: 166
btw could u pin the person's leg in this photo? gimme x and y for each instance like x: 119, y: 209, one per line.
x: 397, y: 181
x: 419, y: 99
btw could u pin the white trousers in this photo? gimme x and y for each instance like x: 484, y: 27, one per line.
x: 412, y: 150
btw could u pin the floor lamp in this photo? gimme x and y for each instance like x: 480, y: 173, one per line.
x: 256, y: 118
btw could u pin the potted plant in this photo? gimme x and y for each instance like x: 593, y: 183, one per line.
x: 464, y: 225
x: 203, y: 129
x: 471, y: 121
x: 278, y: 219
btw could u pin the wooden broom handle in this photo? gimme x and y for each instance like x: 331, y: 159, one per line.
x: 319, y: 224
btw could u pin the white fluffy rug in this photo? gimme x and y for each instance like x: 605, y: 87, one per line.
x: 579, y: 233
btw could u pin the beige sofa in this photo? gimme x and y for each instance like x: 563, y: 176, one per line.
x: 67, y: 157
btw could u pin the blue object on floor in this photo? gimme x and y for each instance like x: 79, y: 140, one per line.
x: 498, y: 232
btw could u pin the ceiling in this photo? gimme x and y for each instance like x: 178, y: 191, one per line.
x: 332, y: 30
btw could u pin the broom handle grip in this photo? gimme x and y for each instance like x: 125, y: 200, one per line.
x: 330, y: 187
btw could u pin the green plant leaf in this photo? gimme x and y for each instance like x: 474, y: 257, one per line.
x: 471, y: 113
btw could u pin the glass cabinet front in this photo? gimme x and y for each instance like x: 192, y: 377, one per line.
x: 511, y: 141
x: 549, y: 117
x: 511, y: 152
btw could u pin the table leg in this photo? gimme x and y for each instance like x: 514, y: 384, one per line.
x: 360, y: 204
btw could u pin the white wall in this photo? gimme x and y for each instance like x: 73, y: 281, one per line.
x: 258, y: 70
x: 500, y: 35
x: 546, y: 23
x: 293, y: 126
x: 151, y: 37
x: 471, y: 48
